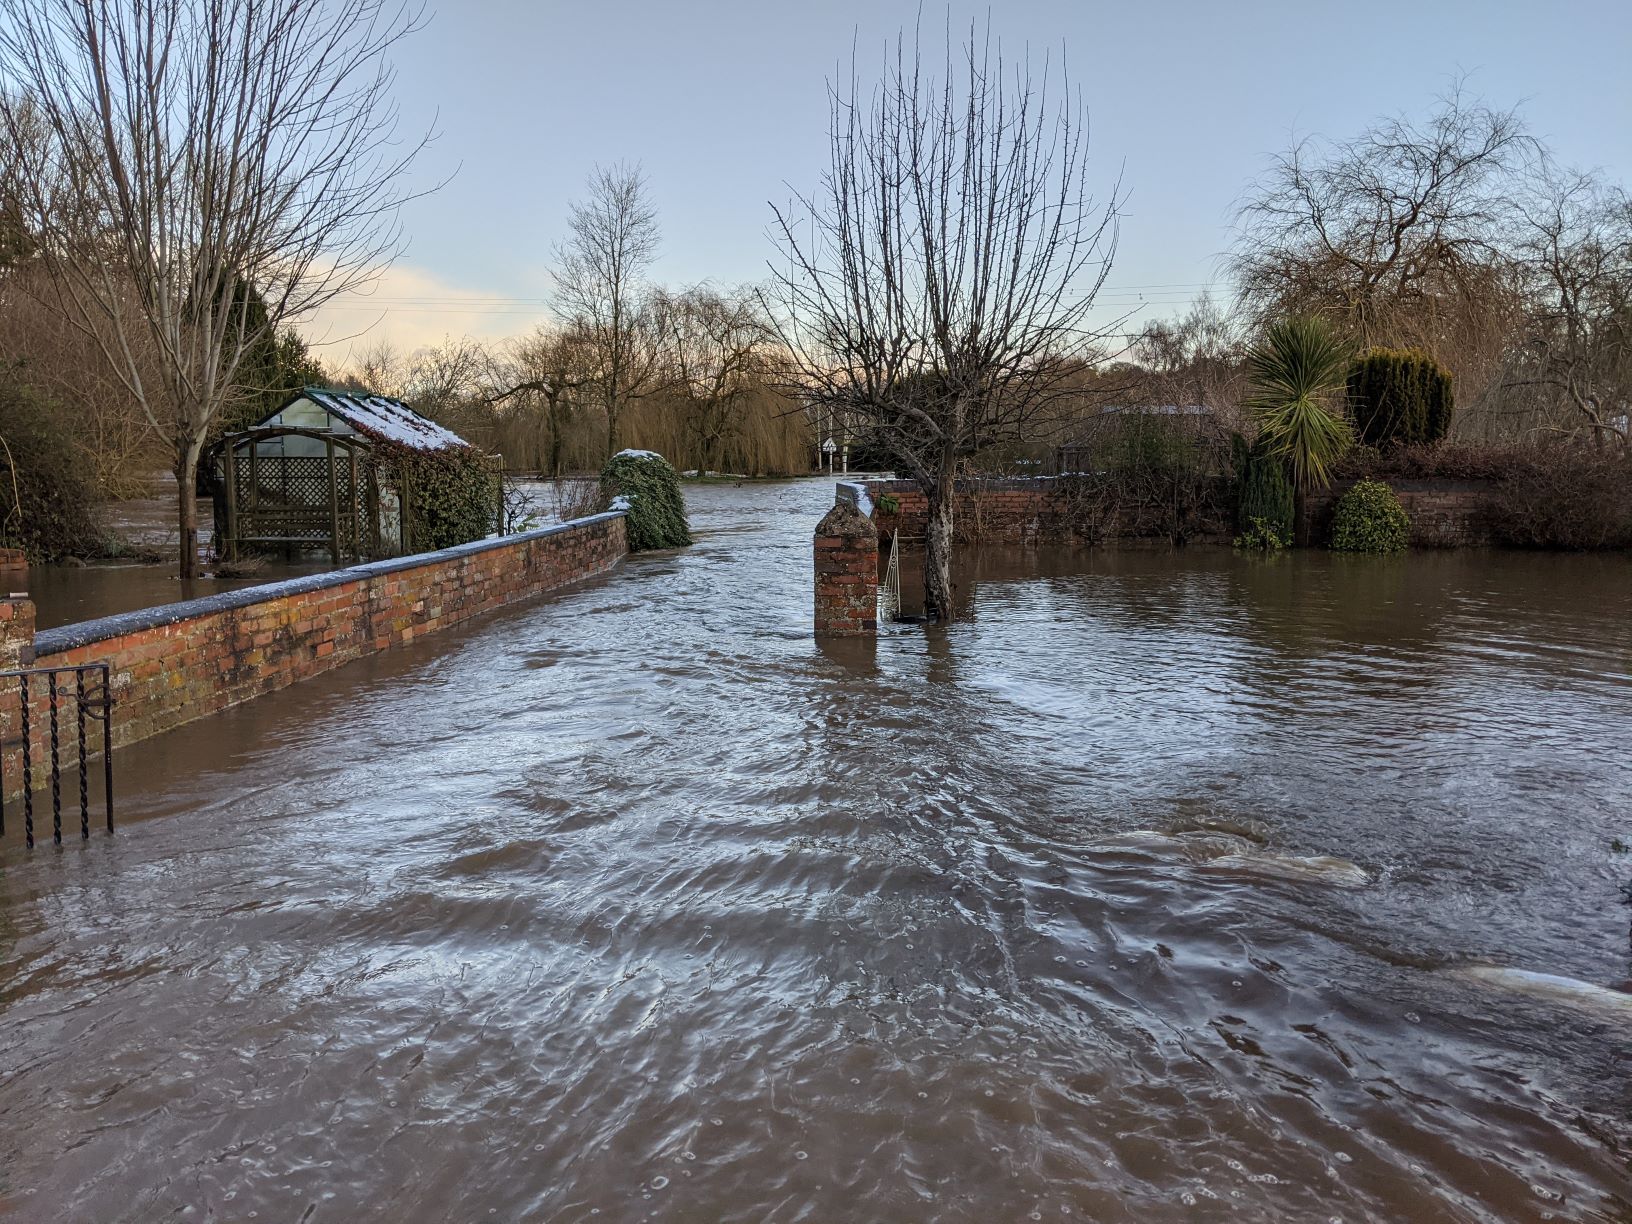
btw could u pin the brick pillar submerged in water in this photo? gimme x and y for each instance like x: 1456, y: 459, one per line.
x: 16, y: 611
x: 846, y: 574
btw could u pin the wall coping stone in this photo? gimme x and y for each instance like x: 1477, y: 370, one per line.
x: 86, y: 633
x: 853, y: 493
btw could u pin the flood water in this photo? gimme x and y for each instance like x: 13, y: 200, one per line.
x: 638, y: 903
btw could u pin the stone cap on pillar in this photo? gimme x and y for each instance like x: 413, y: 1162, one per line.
x: 844, y: 521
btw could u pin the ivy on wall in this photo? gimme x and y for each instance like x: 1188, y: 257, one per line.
x: 645, y: 485
x: 450, y: 496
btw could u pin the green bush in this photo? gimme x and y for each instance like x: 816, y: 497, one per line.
x: 1264, y: 493
x: 648, y: 488
x: 45, y: 492
x: 1399, y: 397
x: 1370, y: 519
x: 1261, y: 535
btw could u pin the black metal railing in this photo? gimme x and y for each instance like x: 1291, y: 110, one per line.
x: 40, y: 708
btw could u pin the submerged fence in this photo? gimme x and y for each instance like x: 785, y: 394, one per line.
x: 52, y: 721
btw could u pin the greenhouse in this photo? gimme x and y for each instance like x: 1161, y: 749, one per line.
x: 353, y: 475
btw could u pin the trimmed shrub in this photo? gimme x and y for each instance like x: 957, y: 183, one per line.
x: 45, y: 492
x: 648, y: 488
x: 1264, y: 493
x: 1370, y: 519
x: 1399, y: 396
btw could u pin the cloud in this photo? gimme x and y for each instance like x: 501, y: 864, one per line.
x: 413, y: 308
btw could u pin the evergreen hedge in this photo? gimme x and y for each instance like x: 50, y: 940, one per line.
x: 1370, y: 519
x: 1400, y: 396
x: 1264, y: 505
x: 46, y: 496
x: 645, y: 485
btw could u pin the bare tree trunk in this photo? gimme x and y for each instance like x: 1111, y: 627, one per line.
x: 187, y: 508
x: 938, y: 527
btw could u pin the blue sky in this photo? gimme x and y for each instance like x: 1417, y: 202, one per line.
x: 724, y: 104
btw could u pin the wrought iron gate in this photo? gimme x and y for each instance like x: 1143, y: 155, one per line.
x: 45, y: 716
x: 889, y: 593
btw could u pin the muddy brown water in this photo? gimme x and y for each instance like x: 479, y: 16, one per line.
x: 637, y: 903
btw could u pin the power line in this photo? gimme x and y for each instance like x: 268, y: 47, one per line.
x: 498, y: 302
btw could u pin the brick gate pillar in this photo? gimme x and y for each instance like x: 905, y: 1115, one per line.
x: 16, y: 630
x: 846, y: 574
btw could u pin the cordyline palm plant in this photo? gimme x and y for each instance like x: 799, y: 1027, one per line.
x: 1298, y: 368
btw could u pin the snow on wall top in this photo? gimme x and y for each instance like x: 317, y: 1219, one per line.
x: 854, y: 492
x: 384, y: 417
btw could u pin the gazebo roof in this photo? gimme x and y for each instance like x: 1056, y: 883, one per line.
x: 380, y: 416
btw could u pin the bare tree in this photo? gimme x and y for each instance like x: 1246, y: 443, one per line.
x: 1398, y: 236
x: 1575, y: 252
x: 1396, y: 219
x: 1198, y: 358
x: 445, y: 375
x: 600, y: 286
x: 179, y: 150
x: 937, y: 286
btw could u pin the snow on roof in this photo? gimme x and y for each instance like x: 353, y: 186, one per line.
x: 384, y: 417
x: 640, y: 454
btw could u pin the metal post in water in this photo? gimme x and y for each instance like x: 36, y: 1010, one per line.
x: 28, y: 766
x: 107, y: 742
x: 84, y: 786
x: 56, y: 765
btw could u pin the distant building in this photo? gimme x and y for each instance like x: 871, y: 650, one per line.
x: 1172, y: 410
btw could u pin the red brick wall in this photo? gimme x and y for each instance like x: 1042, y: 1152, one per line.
x: 994, y: 510
x: 175, y: 664
x: 1018, y: 511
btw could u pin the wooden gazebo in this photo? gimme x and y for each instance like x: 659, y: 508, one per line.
x: 307, y: 477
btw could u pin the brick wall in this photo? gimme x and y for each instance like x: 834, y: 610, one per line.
x: 988, y: 509
x: 846, y: 566
x: 173, y: 664
x: 1443, y: 513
